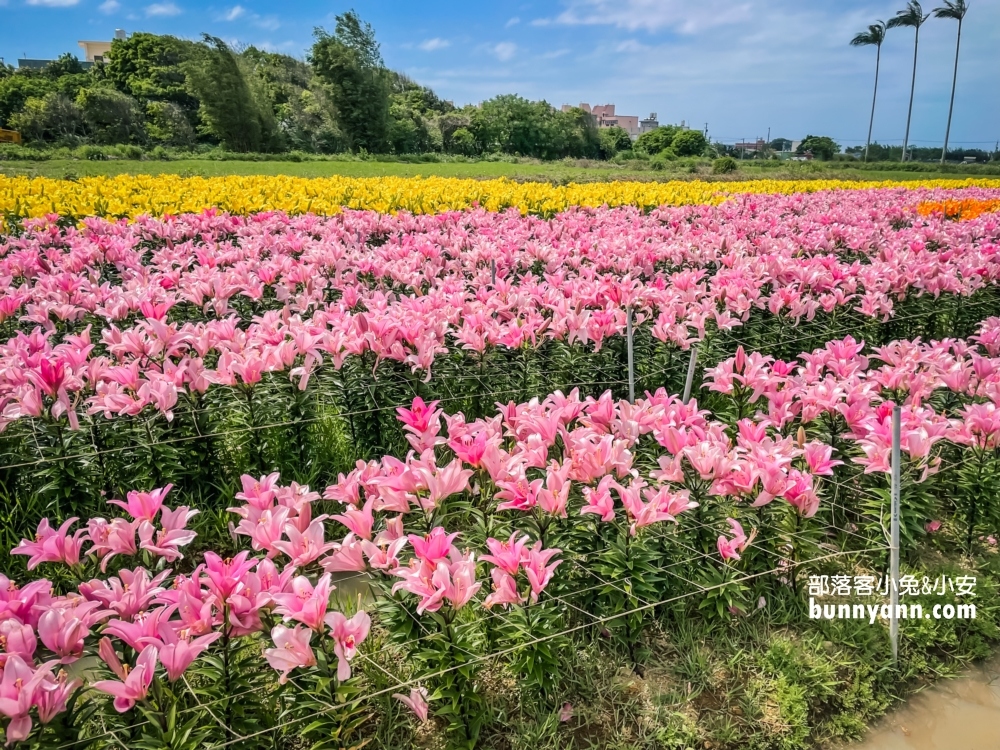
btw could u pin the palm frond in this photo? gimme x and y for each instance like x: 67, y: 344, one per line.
x: 874, y: 36
x: 953, y: 9
x: 912, y: 16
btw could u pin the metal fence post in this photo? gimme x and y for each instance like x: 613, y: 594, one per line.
x: 493, y: 272
x: 894, y: 539
x: 690, y: 374
x: 631, y: 363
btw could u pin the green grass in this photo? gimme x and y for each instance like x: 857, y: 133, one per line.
x: 557, y: 172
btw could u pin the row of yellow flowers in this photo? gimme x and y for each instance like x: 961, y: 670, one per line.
x: 132, y: 195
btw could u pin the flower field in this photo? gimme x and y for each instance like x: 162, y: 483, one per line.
x: 133, y: 195
x: 337, y: 463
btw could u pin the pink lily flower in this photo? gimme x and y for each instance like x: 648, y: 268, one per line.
x: 128, y: 594
x: 599, y: 501
x: 504, y: 591
x: 346, y: 557
x: 19, y: 688
x: 731, y: 549
x: 458, y: 579
x: 291, y: 650
x: 304, y: 547
x: 433, y: 547
x: 225, y: 575
x: 553, y: 498
x: 538, y: 569
x: 178, y: 650
x: 359, y: 521
x: 171, y: 536
x: 818, y: 459
x: 63, y: 630
x: 111, y: 539
x: 143, y: 506
x: 416, y: 701
x: 448, y: 481
x: 135, y: 686
x: 259, y: 493
x: 384, y: 558
x: 53, y: 695
x: 143, y: 628
x: 52, y: 545
x: 17, y: 639
x: 419, y: 578
x: 305, y: 603
x: 507, y: 556
x: 347, y: 636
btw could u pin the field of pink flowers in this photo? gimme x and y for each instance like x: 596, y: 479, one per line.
x: 280, y: 481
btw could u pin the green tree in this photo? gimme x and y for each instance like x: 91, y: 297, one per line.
x: 167, y: 123
x: 299, y: 102
x: 52, y: 118
x: 822, y: 147
x: 448, y: 125
x: 65, y: 64
x: 873, y: 37
x: 689, y: 143
x: 912, y: 17
x: 111, y: 116
x: 16, y: 89
x: 654, y: 141
x: 350, y: 63
x: 227, y: 106
x: 149, y: 67
x: 613, y: 141
x: 780, y: 144
x: 463, y: 142
x: 955, y: 10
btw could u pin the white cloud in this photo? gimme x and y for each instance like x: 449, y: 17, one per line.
x: 654, y: 15
x: 163, y: 9
x: 268, y: 23
x: 504, y: 51
x: 233, y: 13
x: 53, y: 3
x: 109, y: 6
x: 512, y: 22
x: 429, y: 45
x: 631, y: 45
x: 555, y: 54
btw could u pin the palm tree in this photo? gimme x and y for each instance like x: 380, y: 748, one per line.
x: 874, y: 36
x: 913, y: 17
x: 954, y: 9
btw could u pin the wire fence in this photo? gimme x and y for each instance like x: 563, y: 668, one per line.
x: 690, y: 555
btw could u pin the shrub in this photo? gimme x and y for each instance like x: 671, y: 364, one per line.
x: 690, y: 143
x: 111, y: 116
x: 725, y: 165
x: 91, y: 153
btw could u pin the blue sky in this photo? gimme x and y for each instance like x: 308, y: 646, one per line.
x: 742, y: 66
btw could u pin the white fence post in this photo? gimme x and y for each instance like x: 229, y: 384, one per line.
x: 690, y: 374
x: 631, y: 364
x: 894, y: 539
x: 493, y: 272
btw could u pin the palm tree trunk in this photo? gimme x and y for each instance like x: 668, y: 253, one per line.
x: 871, y: 122
x: 913, y: 86
x: 951, y: 106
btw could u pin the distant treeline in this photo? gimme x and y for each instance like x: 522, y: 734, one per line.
x: 160, y: 90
